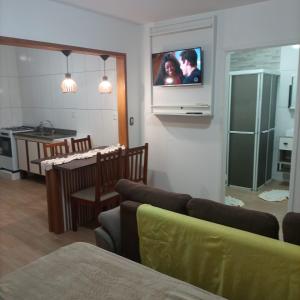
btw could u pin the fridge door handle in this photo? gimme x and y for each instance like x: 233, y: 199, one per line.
x: 290, y: 92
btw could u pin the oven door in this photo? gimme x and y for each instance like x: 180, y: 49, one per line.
x: 5, y: 146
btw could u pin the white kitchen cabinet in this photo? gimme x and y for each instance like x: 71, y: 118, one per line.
x: 29, y: 150
x: 33, y: 153
x: 22, y: 155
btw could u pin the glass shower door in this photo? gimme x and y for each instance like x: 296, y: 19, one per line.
x: 242, y: 129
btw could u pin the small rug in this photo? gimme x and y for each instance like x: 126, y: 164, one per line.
x: 274, y: 195
x: 233, y: 201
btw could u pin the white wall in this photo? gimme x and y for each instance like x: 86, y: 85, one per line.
x: 188, y: 155
x: 10, y: 101
x: 48, y: 21
x: 87, y: 111
x: 284, y: 116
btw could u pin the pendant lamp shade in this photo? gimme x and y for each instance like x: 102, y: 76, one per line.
x: 68, y: 85
x: 105, y: 86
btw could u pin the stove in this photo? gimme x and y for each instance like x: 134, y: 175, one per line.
x: 8, y: 148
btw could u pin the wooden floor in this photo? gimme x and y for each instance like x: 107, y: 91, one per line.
x: 24, y: 234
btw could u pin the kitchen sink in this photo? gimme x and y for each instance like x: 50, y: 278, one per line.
x: 49, y: 134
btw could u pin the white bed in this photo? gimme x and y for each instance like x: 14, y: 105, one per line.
x: 83, y: 271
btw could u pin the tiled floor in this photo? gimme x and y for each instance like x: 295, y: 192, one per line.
x: 24, y: 234
x: 252, y: 201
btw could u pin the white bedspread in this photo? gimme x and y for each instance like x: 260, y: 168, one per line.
x: 84, y: 271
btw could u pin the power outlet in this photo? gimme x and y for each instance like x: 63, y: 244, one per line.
x: 131, y: 121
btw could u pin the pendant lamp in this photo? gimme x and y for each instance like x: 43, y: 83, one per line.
x: 105, y: 86
x: 68, y: 85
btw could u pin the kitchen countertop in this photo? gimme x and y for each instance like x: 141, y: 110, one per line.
x: 48, y: 134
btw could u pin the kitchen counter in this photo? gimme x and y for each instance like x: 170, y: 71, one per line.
x: 48, y: 134
x: 30, y: 146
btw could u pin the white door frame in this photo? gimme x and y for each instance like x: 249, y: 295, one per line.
x: 295, y: 174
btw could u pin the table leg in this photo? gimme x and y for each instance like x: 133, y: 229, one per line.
x: 54, y: 201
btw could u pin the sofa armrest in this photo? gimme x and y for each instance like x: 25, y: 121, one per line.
x: 103, y: 240
x: 129, y: 231
x: 290, y: 228
x: 110, y: 223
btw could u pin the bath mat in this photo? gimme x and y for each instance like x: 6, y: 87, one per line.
x: 274, y: 195
x: 233, y: 201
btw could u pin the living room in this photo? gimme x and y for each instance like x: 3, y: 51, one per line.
x: 186, y: 155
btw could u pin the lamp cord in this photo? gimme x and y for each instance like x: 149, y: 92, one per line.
x: 67, y: 65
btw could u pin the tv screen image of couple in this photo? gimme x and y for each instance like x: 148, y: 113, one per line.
x: 180, y: 67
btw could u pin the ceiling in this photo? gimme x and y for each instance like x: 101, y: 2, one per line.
x: 147, y: 11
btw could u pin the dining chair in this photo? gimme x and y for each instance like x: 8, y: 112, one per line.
x: 136, y: 164
x: 101, y: 196
x: 54, y: 149
x: 81, y: 145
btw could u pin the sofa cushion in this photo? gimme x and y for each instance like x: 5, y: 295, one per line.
x: 110, y: 221
x: 291, y: 228
x: 245, y: 219
x: 145, y: 194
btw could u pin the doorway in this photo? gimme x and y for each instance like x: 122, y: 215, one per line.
x: 260, y: 127
x: 120, y: 66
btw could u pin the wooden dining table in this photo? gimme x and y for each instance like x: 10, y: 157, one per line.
x: 62, y: 181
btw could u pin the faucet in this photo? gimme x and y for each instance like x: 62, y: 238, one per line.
x: 42, y: 126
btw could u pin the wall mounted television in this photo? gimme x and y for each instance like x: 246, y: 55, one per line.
x: 178, y: 67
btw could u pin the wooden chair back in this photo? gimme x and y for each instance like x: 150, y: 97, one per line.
x: 108, y: 172
x: 136, y: 163
x: 55, y: 149
x: 81, y: 145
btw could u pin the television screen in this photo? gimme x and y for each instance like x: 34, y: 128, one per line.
x: 180, y: 67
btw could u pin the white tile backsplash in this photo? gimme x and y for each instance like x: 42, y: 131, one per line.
x: 4, y: 93
x: 6, y: 117
x: 93, y: 63
x: 14, y: 92
x: 77, y: 63
x: 110, y: 135
x: 93, y: 96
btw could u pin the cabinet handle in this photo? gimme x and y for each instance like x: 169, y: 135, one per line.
x: 285, y: 144
x: 290, y: 93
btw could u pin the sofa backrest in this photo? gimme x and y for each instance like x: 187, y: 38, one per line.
x: 141, y: 193
x: 245, y: 219
x: 226, y: 261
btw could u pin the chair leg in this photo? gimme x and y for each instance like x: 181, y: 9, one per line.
x: 74, y: 208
